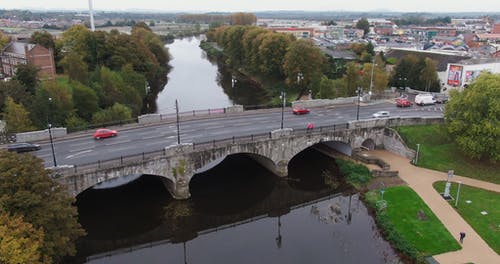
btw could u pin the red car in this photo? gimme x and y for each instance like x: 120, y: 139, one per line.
x: 299, y: 110
x: 104, y: 133
x: 403, y: 103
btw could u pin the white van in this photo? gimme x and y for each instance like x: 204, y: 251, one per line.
x: 425, y: 99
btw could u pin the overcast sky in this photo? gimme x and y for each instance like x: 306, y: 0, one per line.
x: 261, y: 5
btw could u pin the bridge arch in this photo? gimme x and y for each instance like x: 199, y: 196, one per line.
x: 368, y: 144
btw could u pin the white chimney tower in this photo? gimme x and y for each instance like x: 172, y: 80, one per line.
x: 91, y: 10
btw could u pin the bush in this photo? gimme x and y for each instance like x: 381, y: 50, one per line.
x: 355, y: 174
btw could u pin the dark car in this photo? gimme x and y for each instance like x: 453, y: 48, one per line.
x: 298, y: 110
x: 104, y: 133
x: 441, y: 99
x: 23, y: 147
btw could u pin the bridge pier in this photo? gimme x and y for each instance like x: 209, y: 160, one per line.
x: 282, y: 168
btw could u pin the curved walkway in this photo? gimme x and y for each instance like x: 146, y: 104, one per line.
x: 474, y: 250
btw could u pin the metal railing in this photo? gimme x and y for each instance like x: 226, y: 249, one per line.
x: 145, y: 156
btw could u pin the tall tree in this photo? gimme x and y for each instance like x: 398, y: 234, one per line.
x: 75, y: 67
x: 85, y: 100
x: 43, y: 38
x: 303, y: 60
x: 16, y: 117
x: 364, y: 25
x: 243, y: 19
x: 27, y: 75
x: 4, y: 40
x: 351, y: 79
x: 473, y: 118
x: 27, y: 190
x: 429, y: 77
x: 20, y: 242
x: 272, y: 51
x: 115, y: 113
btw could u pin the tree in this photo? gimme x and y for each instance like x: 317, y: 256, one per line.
x: 364, y: 25
x: 4, y: 40
x: 27, y: 75
x: 85, y: 100
x: 272, y: 52
x: 429, y: 76
x: 115, y: 113
x: 16, y: 117
x: 75, y: 67
x: 16, y: 90
x: 43, y: 38
x: 473, y: 118
x: 351, y: 79
x: 243, y: 19
x: 303, y: 58
x: 20, y: 242
x: 27, y: 190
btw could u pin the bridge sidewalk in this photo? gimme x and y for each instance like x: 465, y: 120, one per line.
x: 474, y: 250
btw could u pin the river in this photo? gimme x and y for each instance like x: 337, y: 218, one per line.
x: 200, y: 83
x: 238, y: 212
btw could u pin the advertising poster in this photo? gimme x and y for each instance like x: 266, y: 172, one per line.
x: 455, y: 75
x: 471, y: 75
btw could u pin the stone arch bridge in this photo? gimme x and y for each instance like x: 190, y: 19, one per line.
x: 177, y: 164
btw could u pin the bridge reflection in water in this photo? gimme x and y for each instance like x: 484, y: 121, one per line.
x: 238, y: 213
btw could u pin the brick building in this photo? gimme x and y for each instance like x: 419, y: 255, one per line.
x: 23, y: 53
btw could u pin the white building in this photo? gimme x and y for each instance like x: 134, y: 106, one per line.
x: 459, y: 76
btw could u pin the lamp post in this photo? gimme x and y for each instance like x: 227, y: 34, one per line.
x: 458, y: 193
x: 371, y: 78
x: 359, y: 101
x: 278, y: 238
x: 49, y: 125
x: 283, y: 98
x: 177, y: 121
x: 416, y: 157
x: 233, y: 85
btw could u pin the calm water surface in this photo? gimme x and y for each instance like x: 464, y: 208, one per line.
x: 238, y: 213
x: 200, y: 83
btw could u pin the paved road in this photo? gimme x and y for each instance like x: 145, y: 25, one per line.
x: 474, y: 250
x: 77, y: 150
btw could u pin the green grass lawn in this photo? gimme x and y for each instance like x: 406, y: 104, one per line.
x: 407, y: 223
x: 438, y: 152
x: 487, y: 226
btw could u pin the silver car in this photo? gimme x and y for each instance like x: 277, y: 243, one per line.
x: 381, y: 114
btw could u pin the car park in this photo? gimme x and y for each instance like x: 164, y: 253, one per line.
x: 23, y: 147
x: 299, y: 110
x: 104, y: 133
x: 381, y: 114
x: 402, y: 102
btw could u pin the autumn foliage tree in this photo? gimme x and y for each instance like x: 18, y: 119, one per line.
x: 20, y: 242
x: 27, y: 190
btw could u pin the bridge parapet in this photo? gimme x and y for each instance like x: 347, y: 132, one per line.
x: 178, y: 163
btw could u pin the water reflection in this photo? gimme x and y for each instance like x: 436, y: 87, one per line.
x: 200, y: 82
x: 238, y: 213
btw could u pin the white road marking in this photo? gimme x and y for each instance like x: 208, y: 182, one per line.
x: 78, y: 154
x: 117, y: 142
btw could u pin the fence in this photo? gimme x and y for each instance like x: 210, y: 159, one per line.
x: 144, y: 156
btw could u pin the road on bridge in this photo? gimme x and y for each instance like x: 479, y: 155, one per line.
x: 72, y: 150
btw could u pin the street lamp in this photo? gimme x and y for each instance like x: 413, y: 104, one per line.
x: 49, y: 125
x: 371, y: 78
x: 177, y: 121
x: 359, y: 101
x: 283, y: 98
x: 416, y: 156
x: 233, y: 85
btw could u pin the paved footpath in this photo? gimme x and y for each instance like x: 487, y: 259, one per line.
x: 474, y: 250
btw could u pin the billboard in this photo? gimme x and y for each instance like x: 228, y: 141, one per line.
x: 455, y: 75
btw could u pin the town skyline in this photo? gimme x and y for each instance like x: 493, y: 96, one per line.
x: 445, y: 6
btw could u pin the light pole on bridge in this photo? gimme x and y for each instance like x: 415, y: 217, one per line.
x: 283, y: 98
x: 49, y: 126
x: 177, y: 121
x: 359, y: 101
